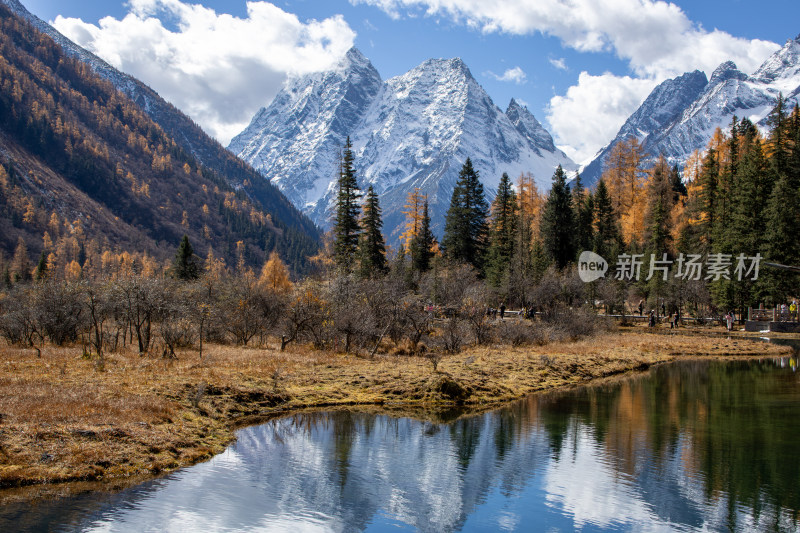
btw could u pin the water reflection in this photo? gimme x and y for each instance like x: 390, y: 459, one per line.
x: 692, y: 446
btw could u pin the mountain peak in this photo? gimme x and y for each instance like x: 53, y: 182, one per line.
x: 354, y: 57
x: 454, y: 64
x: 412, y: 131
x: 783, y: 64
x: 726, y: 71
x: 531, y: 129
x: 513, y: 105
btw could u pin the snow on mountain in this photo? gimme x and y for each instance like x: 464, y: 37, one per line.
x: 297, y: 139
x: 413, y: 130
x: 665, y: 104
x: 673, y: 122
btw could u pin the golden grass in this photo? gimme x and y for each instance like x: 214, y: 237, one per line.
x: 63, y: 420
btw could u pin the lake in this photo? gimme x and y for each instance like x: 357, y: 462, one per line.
x: 689, y: 446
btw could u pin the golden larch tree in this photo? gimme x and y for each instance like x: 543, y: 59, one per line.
x: 627, y: 183
x: 413, y: 212
x: 275, y: 275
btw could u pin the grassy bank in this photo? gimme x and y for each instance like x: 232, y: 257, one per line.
x: 62, y: 420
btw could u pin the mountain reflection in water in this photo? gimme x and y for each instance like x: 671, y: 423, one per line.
x: 700, y: 445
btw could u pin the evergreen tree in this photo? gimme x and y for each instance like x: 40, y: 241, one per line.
x: 465, y: 230
x: 779, y: 137
x: 746, y: 230
x: 678, y: 187
x: 707, y: 205
x: 657, y: 231
x: 503, y: 229
x: 41, y: 267
x: 371, y: 246
x: 659, y: 205
x: 607, y: 236
x: 558, y: 222
x: 422, y: 244
x: 782, y: 244
x: 723, y: 192
x: 346, y: 226
x: 185, y: 265
x: 782, y: 240
x: 583, y: 205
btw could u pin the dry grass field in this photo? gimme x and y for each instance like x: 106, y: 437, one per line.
x: 63, y: 419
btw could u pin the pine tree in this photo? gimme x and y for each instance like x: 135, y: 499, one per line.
x: 558, y: 223
x: 465, y: 230
x: 747, y: 228
x: 502, y: 232
x: 583, y: 206
x: 659, y: 205
x: 706, y: 208
x: 41, y: 268
x: 346, y: 226
x: 185, y: 266
x: 782, y: 244
x: 371, y: 246
x: 607, y: 237
x: 423, y: 243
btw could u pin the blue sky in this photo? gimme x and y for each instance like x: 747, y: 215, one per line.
x: 581, y: 66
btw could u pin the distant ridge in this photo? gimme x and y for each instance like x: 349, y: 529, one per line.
x: 681, y: 114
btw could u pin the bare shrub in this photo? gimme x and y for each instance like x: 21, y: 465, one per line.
x: 306, y: 316
x: 573, y: 324
x: 138, y: 301
x: 351, y: 316
x: 448, y: 287
x: 450, y: 336
x: 415, y: 319
x: 18, y: 321
x: 517, y: 333
x: 58, y: 310
x: 99, y: 307
x: 473, y: 311
x: 247, y: 309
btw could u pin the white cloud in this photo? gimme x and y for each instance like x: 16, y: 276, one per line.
x: 217, y: 68
x: 516, y: 75
x: 559, y: 63
x: 656, y: 38
x: 591, y: 112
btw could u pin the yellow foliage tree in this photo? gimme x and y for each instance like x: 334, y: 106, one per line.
x: 413, y: 212
x: 73, y: 271
x: 627, y: 183
x: 275, y: 275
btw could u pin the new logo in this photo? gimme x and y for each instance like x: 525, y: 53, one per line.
x: 591, y: 266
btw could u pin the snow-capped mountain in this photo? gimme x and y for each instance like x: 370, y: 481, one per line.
x: 414, y: 130
x: 681, y: 114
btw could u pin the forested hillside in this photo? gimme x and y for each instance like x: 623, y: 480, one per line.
x: 85, y: 170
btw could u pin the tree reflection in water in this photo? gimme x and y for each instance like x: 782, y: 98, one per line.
x: 696, y: 445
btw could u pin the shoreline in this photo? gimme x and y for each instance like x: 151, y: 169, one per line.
x: 65, y: 426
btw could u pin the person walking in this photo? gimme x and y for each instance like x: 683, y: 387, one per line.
x: 502, y: 311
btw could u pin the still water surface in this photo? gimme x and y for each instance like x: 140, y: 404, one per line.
x: 695, y: 446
